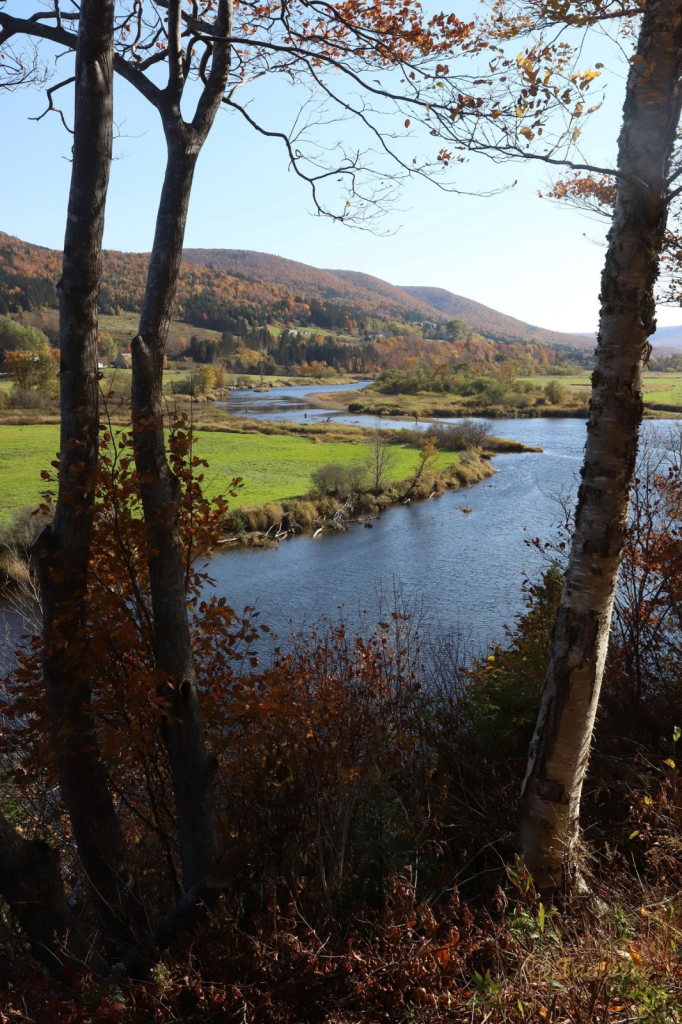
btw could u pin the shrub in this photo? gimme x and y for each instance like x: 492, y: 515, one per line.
x: 22, y: 398
x: 335, y: 479
x: 205, y: 380
x: 274, y: 513
x: 457, y: 437
x: 555, y: 393
x: 184, y: 386
x: 368, y: 503
x: 200, y: 382
x: 520, y: 401
x: 302, y: 512
x: 257, y: 519
x: 220, y: 374
x: 329, y: 479
x: 496, y: 391
x: 503, y: 697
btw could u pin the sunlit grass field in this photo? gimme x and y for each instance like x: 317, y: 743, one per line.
x: 658, y: 387
x: 272, y: 468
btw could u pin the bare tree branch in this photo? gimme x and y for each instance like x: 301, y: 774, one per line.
x: 51, y: 107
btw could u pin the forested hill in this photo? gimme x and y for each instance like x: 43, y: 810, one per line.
x: 374, y: 297
x: 366, y: 295
x: 220, y: 288
x: 488, y: 321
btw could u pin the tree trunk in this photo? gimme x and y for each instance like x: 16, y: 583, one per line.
x: 31, y: 883
x: 62, y: 550
x: 550, y: 803
x: 191, y: 767
x: 183, y: 730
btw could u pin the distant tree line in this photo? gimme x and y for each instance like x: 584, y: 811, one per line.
x: 288, y: 350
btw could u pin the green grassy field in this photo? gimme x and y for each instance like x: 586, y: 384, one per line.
x: 658, y: 387
x: 24, y: 452
x: 663, y: 387
x: 662, y: 397
x: 272, y: 468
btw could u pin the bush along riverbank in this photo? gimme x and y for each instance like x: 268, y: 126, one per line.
x: 16, y: 538
x: 336, y: 507
x: 429, y: 409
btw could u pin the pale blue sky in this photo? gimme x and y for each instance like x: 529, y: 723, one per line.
x: 514, y: 251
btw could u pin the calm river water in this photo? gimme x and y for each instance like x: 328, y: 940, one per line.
x: 466, y: 570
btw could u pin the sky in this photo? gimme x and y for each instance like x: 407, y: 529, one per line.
x: 513, y: 251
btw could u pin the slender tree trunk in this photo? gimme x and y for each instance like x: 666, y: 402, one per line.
x: 191, y: 766
x: 62, y: 550
x: 31, y: 883
x: 550, y: 804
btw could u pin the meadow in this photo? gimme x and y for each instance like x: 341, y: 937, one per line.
x: 272, y: 467
x: 662, y: 397
x: 659, y: 387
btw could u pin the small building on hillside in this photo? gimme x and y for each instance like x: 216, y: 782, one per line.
x: 123, y: 361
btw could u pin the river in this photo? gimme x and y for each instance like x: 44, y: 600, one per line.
x: 464, y: 569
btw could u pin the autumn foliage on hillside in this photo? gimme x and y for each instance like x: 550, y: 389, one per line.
x: 209, y: 292
x: 241, y: 307
x: 221, y: 290
x: 29, y: 273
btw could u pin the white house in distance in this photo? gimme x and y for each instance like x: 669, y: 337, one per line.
x: 123, y: 361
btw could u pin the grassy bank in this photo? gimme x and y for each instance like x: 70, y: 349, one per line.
x: 275, y: 460
x: 426, y: 406
x: 662, y: 398
x: 261, y: 524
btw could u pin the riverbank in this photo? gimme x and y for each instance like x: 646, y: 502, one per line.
x: 426, y: 406
x: 275, y: 460
x: 277, y: 463
x: 264, y: 525
x: 439, y: 406
x: 464, y: 570
x: 268, y: 523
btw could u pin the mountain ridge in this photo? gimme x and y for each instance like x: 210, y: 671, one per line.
x: 357, y: 286
x: 255, y: 286
x: 486, y: 320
